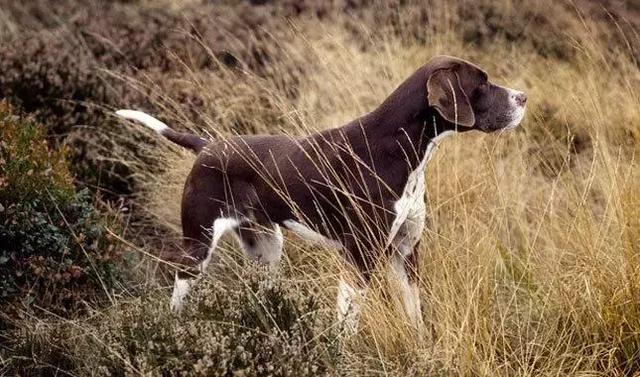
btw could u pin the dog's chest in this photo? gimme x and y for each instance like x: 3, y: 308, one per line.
x: 412, y: 202
x: 410, y: 208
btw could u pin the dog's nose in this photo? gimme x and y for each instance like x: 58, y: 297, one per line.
x: 521, y: 99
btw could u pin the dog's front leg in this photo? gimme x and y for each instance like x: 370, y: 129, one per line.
x: 348, y: 305
x: 406, y: 276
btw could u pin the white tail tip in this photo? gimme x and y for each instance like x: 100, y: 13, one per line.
x: 143, y: 118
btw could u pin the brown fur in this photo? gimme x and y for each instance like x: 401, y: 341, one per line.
x: 342, y: 182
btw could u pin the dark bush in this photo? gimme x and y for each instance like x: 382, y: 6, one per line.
x: 57, y: 72
x: 56, y: 67
x: 54, y: 250
x: 49, y: 75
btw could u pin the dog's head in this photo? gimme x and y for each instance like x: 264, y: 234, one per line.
x: 462, y: 94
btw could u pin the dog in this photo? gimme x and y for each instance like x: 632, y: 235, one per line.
x: 358, y: 188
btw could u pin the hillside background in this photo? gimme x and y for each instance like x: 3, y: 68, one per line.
x: 531, y: 261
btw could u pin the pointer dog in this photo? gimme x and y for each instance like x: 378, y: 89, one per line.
x: 359, y: 187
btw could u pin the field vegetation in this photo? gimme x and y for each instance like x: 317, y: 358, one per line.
x: 530, y: 264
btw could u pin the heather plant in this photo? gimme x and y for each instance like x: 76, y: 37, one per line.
x: 68, y: 67
x: 54, y: 248
x: 252, y: 325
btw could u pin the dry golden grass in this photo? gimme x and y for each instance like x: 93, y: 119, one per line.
x: 530, y: 263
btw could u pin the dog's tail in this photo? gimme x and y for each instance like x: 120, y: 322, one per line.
x: 186, y: 140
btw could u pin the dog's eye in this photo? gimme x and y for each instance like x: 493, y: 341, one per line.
x: 480, y: 90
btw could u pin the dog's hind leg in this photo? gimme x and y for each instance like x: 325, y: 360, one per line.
x: 180, y: 290
x: 220, y: 226
x: 183, y: 280
x: 261, y: 242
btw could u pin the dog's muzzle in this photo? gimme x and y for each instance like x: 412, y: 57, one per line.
x: 518, y: 103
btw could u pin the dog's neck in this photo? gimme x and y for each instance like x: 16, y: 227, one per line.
x: 404, y: 124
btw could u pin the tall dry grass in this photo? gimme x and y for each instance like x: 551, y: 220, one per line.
x: 530, y: 262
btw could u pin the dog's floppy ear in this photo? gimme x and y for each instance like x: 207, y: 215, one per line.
x: 445, y: 93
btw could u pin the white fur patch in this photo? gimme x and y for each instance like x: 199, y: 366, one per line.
x: 310, y: 235
x: 406, y: 230
x: 517, y: 111
x: 143, y: 118
x: 180, y: 290
x: 181, y: 286
x: 267, y: 247
x: 409, y: 290
x: 410, y: 208
x: 220, y: 226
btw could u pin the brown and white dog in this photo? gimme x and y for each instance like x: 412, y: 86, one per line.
x: 359, y: 187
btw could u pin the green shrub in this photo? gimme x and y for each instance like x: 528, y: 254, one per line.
x: 54, y: 250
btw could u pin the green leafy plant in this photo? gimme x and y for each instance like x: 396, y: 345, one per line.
x: 54, y: 249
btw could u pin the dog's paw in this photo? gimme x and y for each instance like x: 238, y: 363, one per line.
x: 180, y: 290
